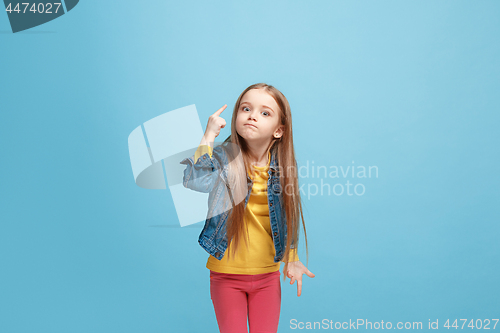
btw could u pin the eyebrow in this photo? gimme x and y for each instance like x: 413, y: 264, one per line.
x: 262, y: 105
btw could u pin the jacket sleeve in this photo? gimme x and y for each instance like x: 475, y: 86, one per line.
x: 293, y: 255
x: 202, y: 149
x: 202, y: 175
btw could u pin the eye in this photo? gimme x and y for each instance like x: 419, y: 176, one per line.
x: 265, y: 113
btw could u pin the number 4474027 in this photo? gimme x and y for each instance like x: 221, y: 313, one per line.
x: 478, y: 323
x: 40, y: 8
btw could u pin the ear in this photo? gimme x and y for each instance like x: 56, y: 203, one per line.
x: 278, y: 133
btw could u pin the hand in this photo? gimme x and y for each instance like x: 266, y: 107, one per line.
x: 214, y: 125
x: 295, y: 271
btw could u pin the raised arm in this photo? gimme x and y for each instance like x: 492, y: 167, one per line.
x: 202, y: 170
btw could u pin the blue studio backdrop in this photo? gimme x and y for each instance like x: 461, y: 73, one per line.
x: 405, y: 90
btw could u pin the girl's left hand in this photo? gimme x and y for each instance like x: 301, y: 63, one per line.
x: 295, y: 271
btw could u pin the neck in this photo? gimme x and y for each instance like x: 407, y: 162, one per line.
x: 258, y: 153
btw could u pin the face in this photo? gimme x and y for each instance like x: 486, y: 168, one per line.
x: 258, y: 117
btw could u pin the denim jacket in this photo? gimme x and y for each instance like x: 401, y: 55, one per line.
x: 209, y: 175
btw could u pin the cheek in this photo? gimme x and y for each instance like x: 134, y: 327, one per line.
x: 240, y: 119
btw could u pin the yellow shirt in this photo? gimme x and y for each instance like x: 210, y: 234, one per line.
x: 259, y: 258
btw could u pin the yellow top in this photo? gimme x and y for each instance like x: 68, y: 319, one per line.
x: 259, y: 258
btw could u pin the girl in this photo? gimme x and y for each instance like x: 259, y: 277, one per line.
x: 255, y: 168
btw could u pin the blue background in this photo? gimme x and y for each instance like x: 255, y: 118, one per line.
x: 409, y: 87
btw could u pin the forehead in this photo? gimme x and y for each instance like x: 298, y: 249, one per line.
x: 258, y: 97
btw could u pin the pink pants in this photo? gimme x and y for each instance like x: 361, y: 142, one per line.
x: 237, y: 297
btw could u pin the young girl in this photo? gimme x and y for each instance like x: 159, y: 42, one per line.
x: 256, y: 169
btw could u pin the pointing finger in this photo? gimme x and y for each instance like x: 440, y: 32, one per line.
x: 218, y: 112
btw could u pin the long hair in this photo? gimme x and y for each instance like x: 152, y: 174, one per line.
x: 283, y: 147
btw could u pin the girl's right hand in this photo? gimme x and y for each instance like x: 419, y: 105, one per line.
x: 215, y: 124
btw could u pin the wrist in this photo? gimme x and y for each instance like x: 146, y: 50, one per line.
x: 207, y: 139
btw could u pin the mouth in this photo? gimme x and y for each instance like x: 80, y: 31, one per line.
x: 251, y: 125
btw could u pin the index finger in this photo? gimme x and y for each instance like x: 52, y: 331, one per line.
x: 299, y: 287
x: 218, y: 112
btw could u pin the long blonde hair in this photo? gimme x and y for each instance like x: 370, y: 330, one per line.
x: 287, y: 166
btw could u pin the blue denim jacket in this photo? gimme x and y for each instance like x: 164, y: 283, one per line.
x: 209, y: 175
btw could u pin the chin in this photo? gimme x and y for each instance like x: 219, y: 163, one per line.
x: 243, y: 132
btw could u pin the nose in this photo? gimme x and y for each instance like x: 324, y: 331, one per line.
x: 253, y: 114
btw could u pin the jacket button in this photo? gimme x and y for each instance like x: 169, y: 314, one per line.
x: 275, y: 233
x: 271, y: 204
x: 204, y: 157
x: 217, y: 254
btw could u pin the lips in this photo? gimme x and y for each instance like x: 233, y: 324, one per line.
x: 251, y: 125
